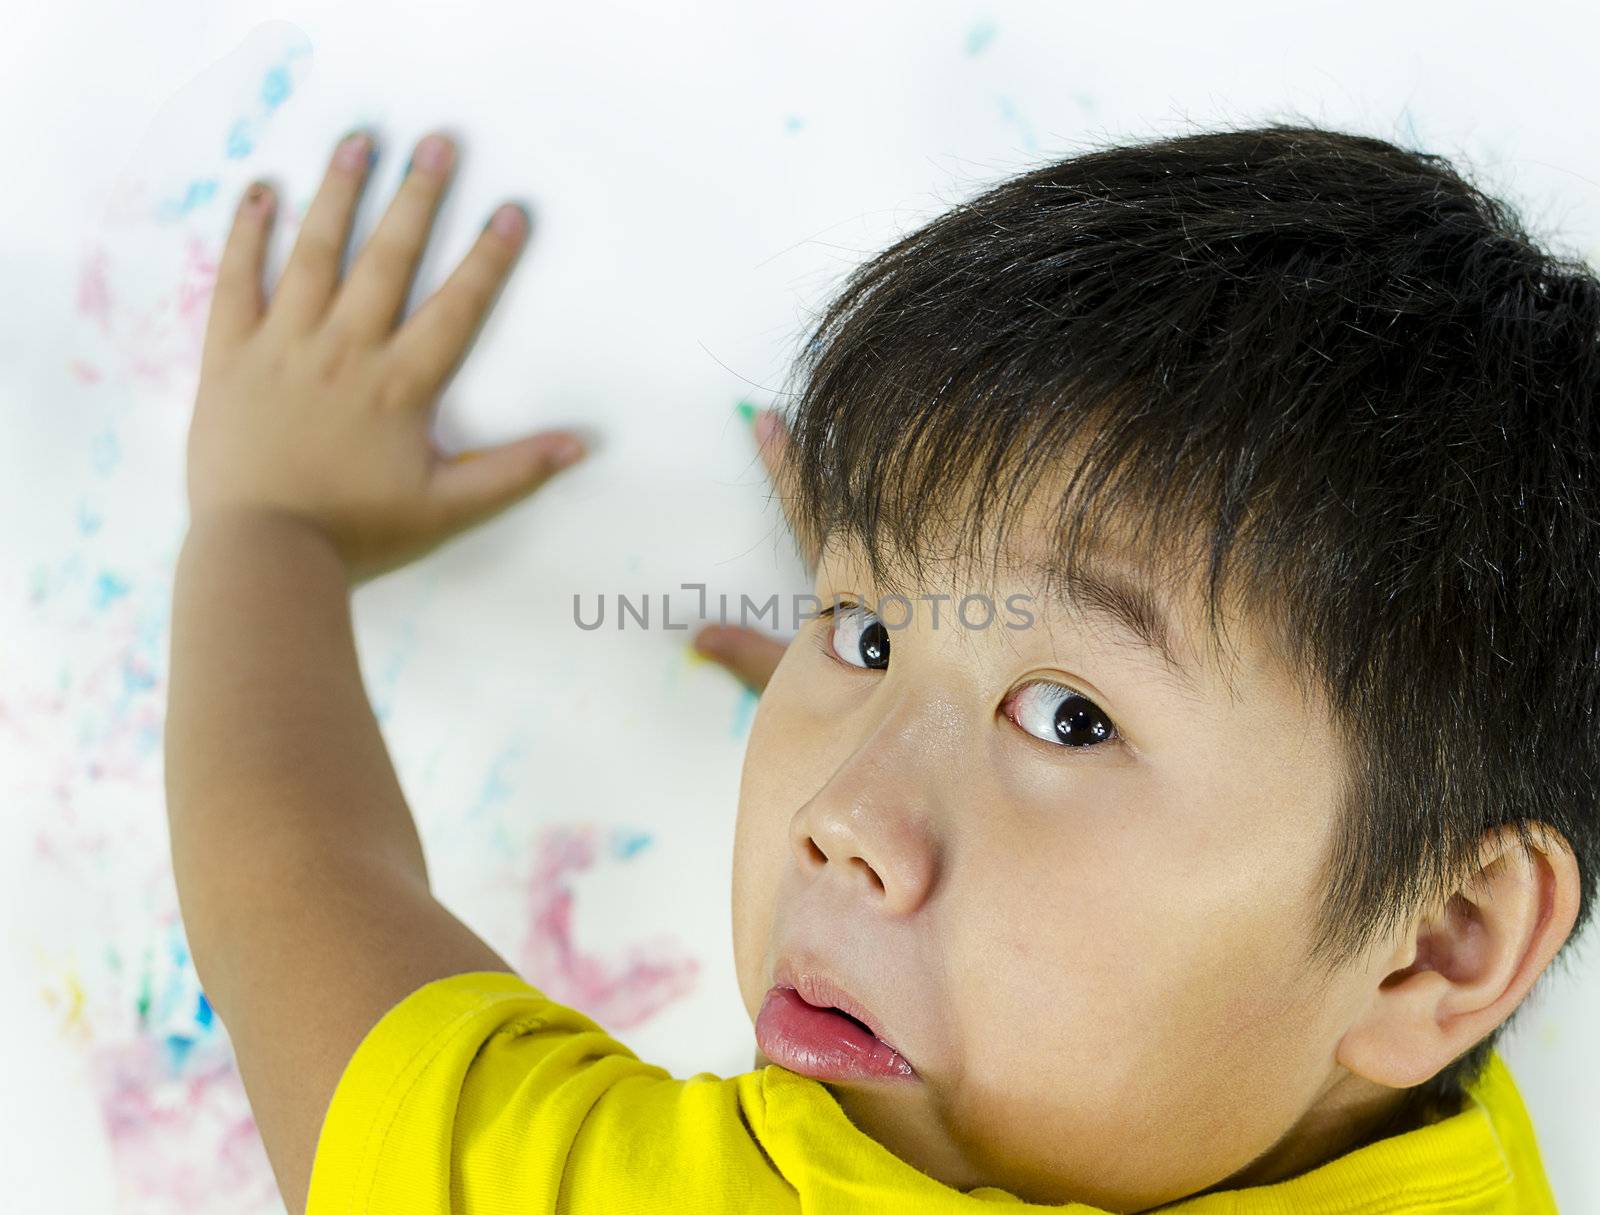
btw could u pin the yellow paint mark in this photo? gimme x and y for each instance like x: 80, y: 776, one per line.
x: 75, y: 1011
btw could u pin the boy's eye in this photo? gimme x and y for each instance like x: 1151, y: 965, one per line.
x: 1058, y: 714
x: 859, y: 637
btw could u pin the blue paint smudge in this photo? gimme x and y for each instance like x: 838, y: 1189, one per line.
x: 104, y: 454
x: 1009, y: 112
x: 979, y: 37
x: 625, y: 845
x: 136, y: 679
x: 743, y: 713
x: 202, y: 1013
x: 241, y: 140
x: 793, y: 123
x: 199, y: 192
x: 496, y: 788
x: 88, y: 521
x: 178, y: 1048
x: 106, y: 588
x: 276, y: 87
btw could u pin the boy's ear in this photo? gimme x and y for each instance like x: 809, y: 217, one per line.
x: 1458, y: 973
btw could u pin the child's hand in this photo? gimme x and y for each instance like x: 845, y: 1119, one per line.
x: 314, y: 405
x: 751, y: 655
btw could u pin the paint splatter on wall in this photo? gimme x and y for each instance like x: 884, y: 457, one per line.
x: 112, y: 963
x: 620, y: 994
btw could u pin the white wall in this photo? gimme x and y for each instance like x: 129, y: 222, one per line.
x: 701, y: 176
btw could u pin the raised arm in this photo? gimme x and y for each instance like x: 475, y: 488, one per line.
x: 311, y: 469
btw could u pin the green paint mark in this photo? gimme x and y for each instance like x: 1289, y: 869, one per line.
x: 979, y: 37
x: 144, y: 997
x: 747, y: 411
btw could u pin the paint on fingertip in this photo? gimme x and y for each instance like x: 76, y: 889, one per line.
x: 471, y: 453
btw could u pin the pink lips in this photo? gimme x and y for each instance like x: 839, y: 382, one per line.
x: 822, y: 1042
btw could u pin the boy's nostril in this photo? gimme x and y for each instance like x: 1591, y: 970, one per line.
x: 872, y: 874
x: 816, y: 855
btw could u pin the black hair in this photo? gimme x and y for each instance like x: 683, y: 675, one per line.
x: 1346, y: 369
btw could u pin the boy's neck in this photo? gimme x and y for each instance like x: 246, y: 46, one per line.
x: 1351, y: 1115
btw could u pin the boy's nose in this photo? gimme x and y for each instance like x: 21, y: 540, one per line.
x: 879, y: 851
x: 869, y: 830
x: 873, y: 827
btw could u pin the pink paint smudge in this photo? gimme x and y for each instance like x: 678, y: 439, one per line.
x: 158, y: 340
x: 618, y: 994
x: 183, y: 1136
x: 94, y: 296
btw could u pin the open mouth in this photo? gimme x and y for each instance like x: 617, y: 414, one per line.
x: 857, y: 1022
x: 823, y: 1041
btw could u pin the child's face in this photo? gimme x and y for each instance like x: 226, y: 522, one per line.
x: 1092, y: 956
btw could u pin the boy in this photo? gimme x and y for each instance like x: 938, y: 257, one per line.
x: 1204, y: 882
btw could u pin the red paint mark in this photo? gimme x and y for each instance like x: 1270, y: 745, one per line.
x: 619, y: 994
x: 94, y: 296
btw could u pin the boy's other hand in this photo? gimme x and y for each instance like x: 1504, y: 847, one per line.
x: 314, y: 406
x: 749, y: 654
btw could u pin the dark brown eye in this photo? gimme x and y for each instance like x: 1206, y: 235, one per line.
x: 860, y: 638
x: 1059, y: 714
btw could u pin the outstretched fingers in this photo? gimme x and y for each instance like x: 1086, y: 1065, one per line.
x: 375, y: 290
x: 311, y: 275
x: 431, y: 344
x: 237, y: 301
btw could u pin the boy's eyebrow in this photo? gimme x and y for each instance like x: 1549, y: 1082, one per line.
x: 1128, y: 601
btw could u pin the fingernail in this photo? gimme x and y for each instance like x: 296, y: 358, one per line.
x: 258, y: 197
x: 354, y: 151
x: 565, y: 451
x: 506, y: 220
x: 432, y: 154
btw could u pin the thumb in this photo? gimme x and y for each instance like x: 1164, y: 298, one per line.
x: 473, y: 485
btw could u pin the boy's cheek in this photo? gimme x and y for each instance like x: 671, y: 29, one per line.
x: 760, y: 849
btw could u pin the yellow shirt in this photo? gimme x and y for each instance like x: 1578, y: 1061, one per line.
x: 477, y: 1095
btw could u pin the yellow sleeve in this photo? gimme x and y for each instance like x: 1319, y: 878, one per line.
x: 477, y: 1095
